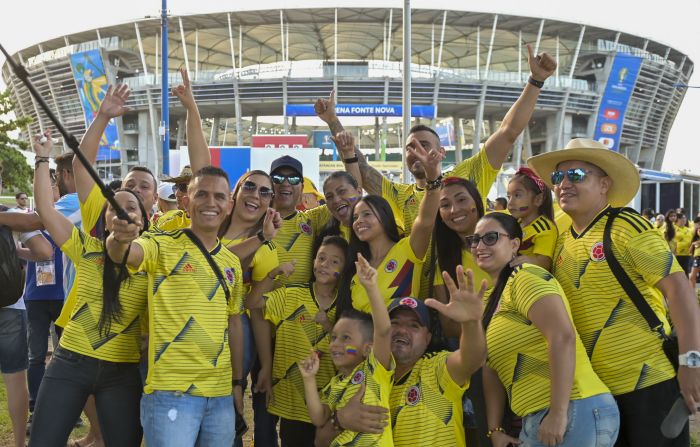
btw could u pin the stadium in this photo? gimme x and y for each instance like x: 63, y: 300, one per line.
x: 467, y: 69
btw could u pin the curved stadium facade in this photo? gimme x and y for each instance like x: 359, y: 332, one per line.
x: 469, y: 66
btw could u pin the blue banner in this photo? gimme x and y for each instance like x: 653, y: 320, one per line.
x: 618, y: 90
x: 362, y: 110
x: 91, y: 81
x: 322, y: 140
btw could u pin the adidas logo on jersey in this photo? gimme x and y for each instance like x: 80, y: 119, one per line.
x: 188, y: 268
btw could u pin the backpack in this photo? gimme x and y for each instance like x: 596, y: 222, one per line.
x: 11, y: 273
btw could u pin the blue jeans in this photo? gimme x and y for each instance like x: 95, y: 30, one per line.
x: 40, y: 314
x: 13, y: 340
x: 176, y: 419
x: 592, y: 422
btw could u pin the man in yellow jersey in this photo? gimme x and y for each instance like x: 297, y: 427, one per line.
x: 588, y: 181
x: 295, y: 238
x: 177, y: 218
x: 195, y: 307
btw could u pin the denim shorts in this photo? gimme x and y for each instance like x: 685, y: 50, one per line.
x: 14, y: 353
x: 592, y: 422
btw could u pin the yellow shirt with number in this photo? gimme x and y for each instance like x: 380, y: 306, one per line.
x: 291, y: 309
x: 188, y: 347
x: 426, y: 405
x: 624, y: 351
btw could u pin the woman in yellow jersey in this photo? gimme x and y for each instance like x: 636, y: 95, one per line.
x: 668, y: 230
x: 695, y: 251
x: 684, y: 235
x: 398, y: 260
x: 99, y: 350
x: 530, y: 201
x: 341, y: 191
x: 535, y: 356
x: 251, y: 198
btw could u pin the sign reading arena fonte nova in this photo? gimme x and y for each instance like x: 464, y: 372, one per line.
x: 362, y: 110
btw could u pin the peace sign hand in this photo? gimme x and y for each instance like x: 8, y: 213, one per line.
x: 184, y: 90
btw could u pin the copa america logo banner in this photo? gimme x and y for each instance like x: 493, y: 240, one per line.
x: 362, y: 110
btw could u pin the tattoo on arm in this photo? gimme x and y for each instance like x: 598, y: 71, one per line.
x: 371, y: 178
x: 335, y: 126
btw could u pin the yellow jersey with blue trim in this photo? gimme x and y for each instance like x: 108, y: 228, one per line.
x: 188, y: 314
x: 398, y: 276
x: 378, y: 381
x: 171, y: 221
x: 426, y: 405
x: 295, y: 240
x: 264, y: 260
x: 625, y: 353
x: 684, y: 236
x: 518, y: 351
x: 468, y: 263
x: 539, y: 237
x: 291, y: 310
x: 82, y: 334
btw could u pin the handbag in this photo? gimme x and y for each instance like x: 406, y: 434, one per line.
x: 669, y: 341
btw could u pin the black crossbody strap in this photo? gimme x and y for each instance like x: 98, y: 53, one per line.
x: 632, y: 291
x: 211, y: 262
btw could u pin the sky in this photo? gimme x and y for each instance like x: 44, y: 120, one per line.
x: 672, y: 22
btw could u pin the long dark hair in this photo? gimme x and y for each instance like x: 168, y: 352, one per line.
x: 546, y: 208
x: 447, y: 244
x: 696, y: 221
x: 332, y: 228
x: 385, y: 215
x: 113, y: 275
x: 670, y: 232
x: 512, y: 228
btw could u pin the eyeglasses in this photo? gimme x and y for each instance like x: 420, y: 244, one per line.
x: 182, y: 187
x: 293, y: 180
x: 489, y: 239
x: 265, y: 192
x: 576, y: 175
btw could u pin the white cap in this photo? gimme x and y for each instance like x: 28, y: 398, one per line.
x: 166, y: 191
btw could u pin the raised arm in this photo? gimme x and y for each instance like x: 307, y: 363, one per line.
x: 422, y: 228
x: 197, y: 146
x: 58, y: 226
x: 112, y: 106
x: 500, y: 143
x: 549, y: 315
x: 318, y: 412
x: 380, y: 316
x: 465, y: 308
x: 345, y: 142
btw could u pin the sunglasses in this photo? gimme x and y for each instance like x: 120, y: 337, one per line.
x: 265, y: 192
x: 488, y: 239
x: 293, y: 180
x: 182, y: 187
x: 576, y: 175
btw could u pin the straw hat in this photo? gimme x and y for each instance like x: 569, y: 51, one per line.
x: 184, y: 177
x: 624, y: 173
x: 310, y: 188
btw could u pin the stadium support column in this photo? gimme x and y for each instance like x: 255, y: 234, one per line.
x: 567, y: 93
x: 669, y: 100
x: 196, y: 54
x: 181, y: 124
x: 164, y: 87
x: 459, y: 134
x: 478, y: 122
x: 406, y: 79
x: 377, y: 136
x: 436, y: 76
x: 385, y: 124
x: 335, y: 53
x: 149, y: 99
x: 184, y: 45
x: 234, y: 76
x: 284, y: 104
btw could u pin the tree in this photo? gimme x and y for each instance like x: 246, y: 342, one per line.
x: 16, y: 173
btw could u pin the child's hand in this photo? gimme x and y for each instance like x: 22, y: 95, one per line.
x: 321, y: 318
x: 309, y: 366
x: 285, y: 270
x: 365, y: 272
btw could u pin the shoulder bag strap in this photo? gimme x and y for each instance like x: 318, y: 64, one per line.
x: 211, y: 262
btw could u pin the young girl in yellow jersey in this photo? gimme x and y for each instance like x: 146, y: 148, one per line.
x: 360, y: 347
x: 530, y: 201
x: 535, y: 356
x: 684, y: 236
x: 98, y: 353
x: 251, y: 198
x: 302, y: 316
x: 397, y: 260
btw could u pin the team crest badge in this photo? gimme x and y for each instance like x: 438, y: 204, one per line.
x: 409, y: 302
x: 305, y: 228
x: 391, y: 266
x: 413, y: 395
x: 229, y: 275
x: 358, y: 378
x: 597, y: 252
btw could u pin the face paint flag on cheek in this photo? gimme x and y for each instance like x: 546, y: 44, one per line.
x: 350, y: 349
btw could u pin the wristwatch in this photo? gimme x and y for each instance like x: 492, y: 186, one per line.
x: 691, y: 359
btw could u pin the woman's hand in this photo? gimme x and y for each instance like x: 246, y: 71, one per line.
x: 553, y: 427
x: 345, y: 142
x: 500, y: 439
x: 43, y: 144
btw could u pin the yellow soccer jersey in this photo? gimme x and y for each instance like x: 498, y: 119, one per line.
x: 695, y: 251
x: 398, y: 276
x: 378, y: 388
x: 91, y: 209
x: 171, y: 221
x: 426, y: 405
x: 562, y: 219
x: 264, y: 261
x: 684, y: 235
x: 188, y: 315
x: 291, y: 309
x: 518, y: 352
x: 539, y: 237
x: 295, y: 241
x: 624, y: 352
x: 81, y: 334
x: 468, y: 263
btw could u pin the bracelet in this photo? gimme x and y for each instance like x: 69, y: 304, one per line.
x: 38, y: 161
x: 335, y: 421
x: 535, y: 82
x: 494, y: 430
x: 431, y: 185
x: 351, y: 160
x: 239, y: 382
x: 261, y: 236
